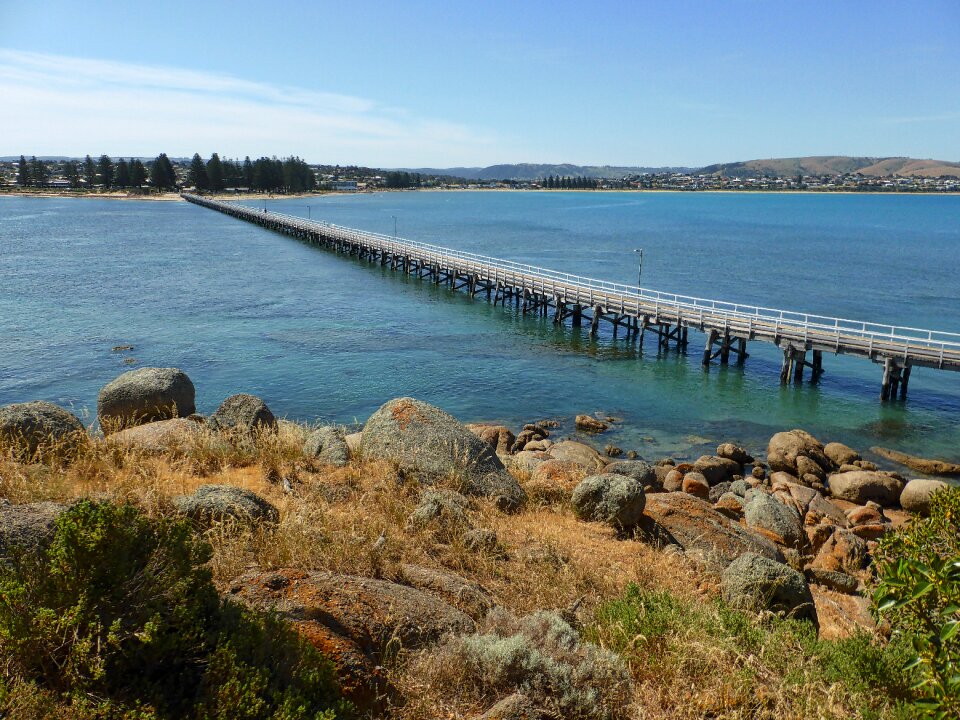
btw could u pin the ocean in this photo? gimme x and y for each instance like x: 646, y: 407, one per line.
x: 322, y: 337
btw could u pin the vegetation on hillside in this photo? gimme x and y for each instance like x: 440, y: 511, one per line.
x: 919, y: 590
x: 648, y: 637
x: 119, y: 617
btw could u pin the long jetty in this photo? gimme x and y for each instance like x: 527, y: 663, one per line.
x: 728, y: 327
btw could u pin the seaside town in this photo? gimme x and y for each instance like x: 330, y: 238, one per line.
x: 105, y: 173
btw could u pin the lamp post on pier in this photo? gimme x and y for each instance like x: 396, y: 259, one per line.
x: 640, y: 266
x: 394, y: 226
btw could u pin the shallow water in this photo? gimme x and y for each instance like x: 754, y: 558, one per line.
x: 321, y: 336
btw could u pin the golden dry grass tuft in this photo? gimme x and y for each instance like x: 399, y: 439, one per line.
x: 353, y: 520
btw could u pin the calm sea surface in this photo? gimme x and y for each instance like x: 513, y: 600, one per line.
x: 325, y: 337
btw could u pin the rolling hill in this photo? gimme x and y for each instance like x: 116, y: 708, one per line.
x: 834, y: 165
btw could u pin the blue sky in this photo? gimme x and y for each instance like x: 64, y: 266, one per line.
x: 477, y: 83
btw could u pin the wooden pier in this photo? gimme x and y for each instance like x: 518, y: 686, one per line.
x: 728, y: 327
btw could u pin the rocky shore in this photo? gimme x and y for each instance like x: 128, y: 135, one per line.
x: 462, y: 516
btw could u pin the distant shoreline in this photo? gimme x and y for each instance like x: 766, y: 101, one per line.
x: 175, y: 197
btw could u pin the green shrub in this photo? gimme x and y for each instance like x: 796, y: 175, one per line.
x: 122, y: 608
x: 543, y: 656
x: 676, y: 642
x: 919, y: 590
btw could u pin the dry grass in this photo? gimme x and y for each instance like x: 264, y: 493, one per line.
x: 331, y: 519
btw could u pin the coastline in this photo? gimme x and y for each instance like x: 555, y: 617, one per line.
x: 175, y: 197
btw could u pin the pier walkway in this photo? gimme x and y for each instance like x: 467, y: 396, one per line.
x: 728, y: 327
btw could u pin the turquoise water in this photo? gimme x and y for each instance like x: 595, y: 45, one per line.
x: 320, y: 336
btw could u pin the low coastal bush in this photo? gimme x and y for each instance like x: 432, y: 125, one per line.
x: 540, y: 655
x: 919, y: 591
x: 118, y: 617
x: 707, y: 659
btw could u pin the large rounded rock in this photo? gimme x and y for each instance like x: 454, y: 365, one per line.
x: 863, y: 485
x: 614, y: 499
x: 754, y: 582
x: 376, y: 614
x: 784, y: 448
x: 328, y: 446
x: 676, y: 518
x: 38, y: 427
x: 717, y: 469
x: 27, y: 527
x: 432, y: 445
x: 449, y: 587
x: 220, y: 503
x: 779, y: 522
x: 176, y: 434
x: 642, y: 472
x: 553, y: 481
x: 696, y: 484
x: 576, y: 452
x: 917, y: 493
x: 498, y: 437
x: 359, y: 623
x: 841, y: 454
x: 145, y: 395
x: 735, y: 453
x: 812, y: 506
x: 843, y: 551
x: 242, y: 413
x: 443, y: 511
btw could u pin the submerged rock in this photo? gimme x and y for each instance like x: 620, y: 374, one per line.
x: 923, y: 465
x: 588, y: 423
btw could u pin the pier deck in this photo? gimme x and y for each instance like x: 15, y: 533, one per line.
x: 727, y: 326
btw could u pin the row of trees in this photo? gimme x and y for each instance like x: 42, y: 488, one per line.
x: 396, y: 179
x: 291, y: 174
x: 569, y: 183
x: 264, y: 174
x: 102, y: 173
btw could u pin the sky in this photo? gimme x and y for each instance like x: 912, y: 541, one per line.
x: 444, y: 84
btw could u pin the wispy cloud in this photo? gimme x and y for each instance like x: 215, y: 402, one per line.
x: 65, y: 105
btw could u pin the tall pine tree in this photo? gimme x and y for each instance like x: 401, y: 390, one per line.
x: 72, y: 173
x: 39, y: 172
x: 122, y: 177
x: 138, y: 173
x: 23, y: 172
x: 197, y: 176
x: 162, y: 176
x: 89, y: 171
x: 105, y: 171
x: 215, y: 173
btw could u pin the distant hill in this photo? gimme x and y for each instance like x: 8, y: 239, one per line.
x: 834, y: 165
x: 533, y: 171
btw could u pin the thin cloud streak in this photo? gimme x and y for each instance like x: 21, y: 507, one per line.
x: 62, y: 105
